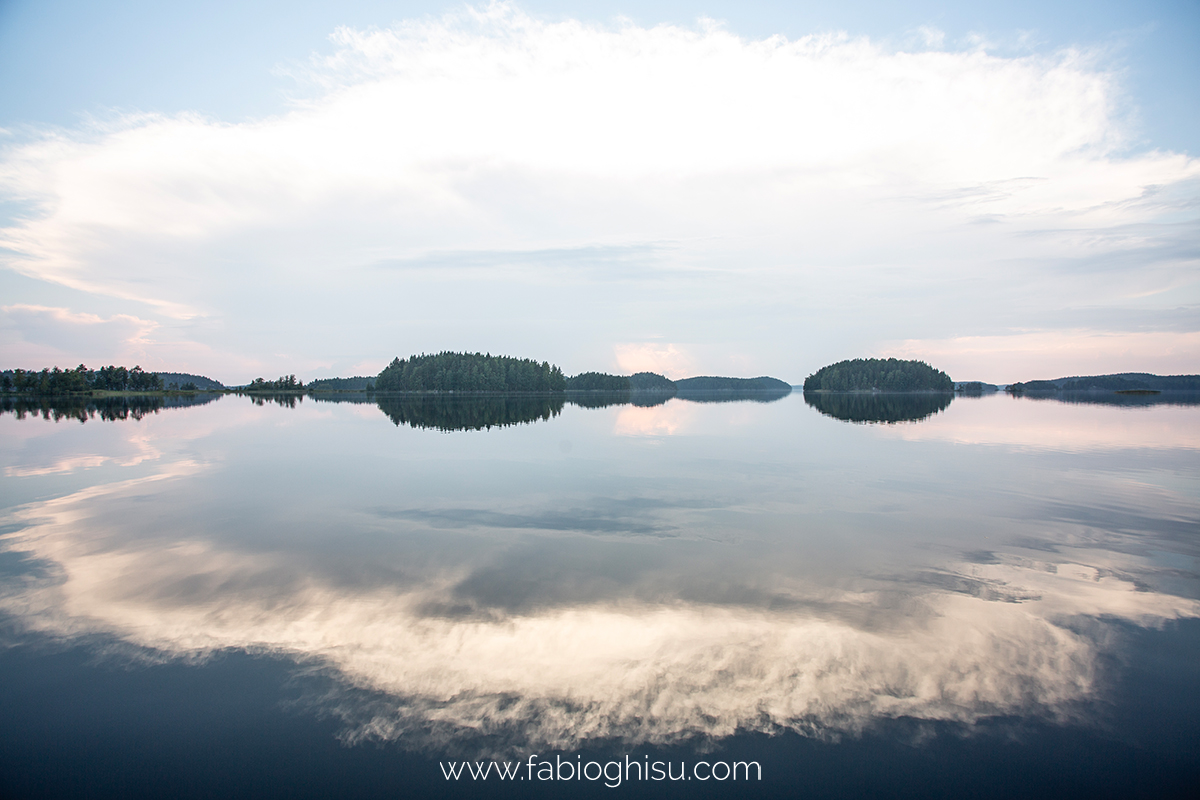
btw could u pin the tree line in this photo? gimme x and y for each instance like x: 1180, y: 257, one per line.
x: 80, y: 379
x: 358, y: 383
x: 597, y: 382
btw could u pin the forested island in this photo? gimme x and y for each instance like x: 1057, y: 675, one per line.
x: 1122, y: 382
x: 878, y: 375
x: 285, y: 383
x: 469, y: 372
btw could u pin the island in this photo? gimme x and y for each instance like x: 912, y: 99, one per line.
x: 879, y: 390
x: 878, y: 375
x: 1124, y: 382
x: 469, y: 372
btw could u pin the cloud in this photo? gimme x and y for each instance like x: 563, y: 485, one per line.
x: 668, y: 419
x: 40, y: 336
x: 667, y: 359
x: 1049, y: 354
x: 1049, y: 425
x: 510, y: 171
x: 36, y: 336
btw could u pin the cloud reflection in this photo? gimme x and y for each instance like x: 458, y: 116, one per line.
x: 669, y: 419
x: 977, y: 636
x: 1058, y: 426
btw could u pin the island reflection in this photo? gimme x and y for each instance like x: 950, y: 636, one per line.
x: 882, y: 407
x: 465, y: 412
x: 449, y: 413
x: 82, y: 408
x: 1124, y: 399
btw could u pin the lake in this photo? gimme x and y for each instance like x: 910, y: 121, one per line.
x: 854, y: 595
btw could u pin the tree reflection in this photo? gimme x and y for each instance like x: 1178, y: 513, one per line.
x: 733, y: 396
x: 446, y: 413
x: 1126, y: 398
x: 83, y: 409
x: 606, y: 399
x: 285, y: 399
x: 651, y: 399
x: 884, y: 407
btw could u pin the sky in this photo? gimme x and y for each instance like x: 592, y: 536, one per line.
x: 244, y: 189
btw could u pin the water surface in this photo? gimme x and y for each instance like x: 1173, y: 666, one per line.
x: 408, y: 580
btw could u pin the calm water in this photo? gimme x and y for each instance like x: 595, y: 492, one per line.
x: 997, y: 597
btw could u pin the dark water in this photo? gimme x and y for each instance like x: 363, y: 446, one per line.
x: 324, y: 599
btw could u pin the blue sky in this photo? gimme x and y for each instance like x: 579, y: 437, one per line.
x: 1005, y: 190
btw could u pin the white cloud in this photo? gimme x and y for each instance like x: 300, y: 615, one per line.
x: 667, y: 359
x: 37, y: 335
x: 790, y: 182
x: 1049, y: 354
